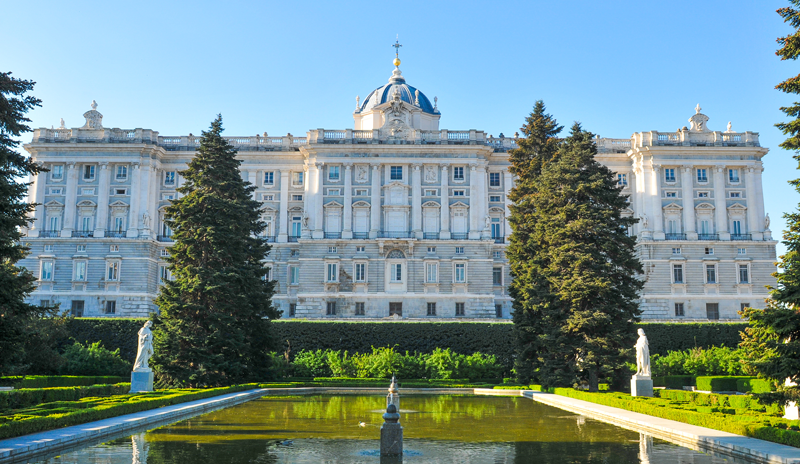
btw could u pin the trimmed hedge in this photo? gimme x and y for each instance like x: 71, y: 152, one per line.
x: 716, y: 383
x: 752, y: 385
x: 50, y: 381
x: 23, y: 422
x: 359, y: 337
x: 27, y: 397
x: 674, y: 381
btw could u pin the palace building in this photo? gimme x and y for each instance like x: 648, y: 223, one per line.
x: 395, y: 217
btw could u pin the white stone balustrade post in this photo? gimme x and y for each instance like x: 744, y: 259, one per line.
x: 687, y: 192
x: 752, y: 209
x: 416, y: 200
x: 283, y: 214
x: 70, y: 202
x: 720, y: 203
x: 658, y: 212
x: 319, y: 218
x: 375, y: 199
x: 104, y: 182
x: 37, y: 196
x: 133, y: 220
x: 444, y: 233
x: 347, y: 215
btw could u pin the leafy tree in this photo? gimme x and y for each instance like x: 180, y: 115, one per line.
x: 18, y: 319
x: 214, y: 321
x: 772, y: 339
x: 530, y: 292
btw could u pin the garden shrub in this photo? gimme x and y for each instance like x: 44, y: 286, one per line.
x: 674, y: 381
x: 752, y: 385
x: 31, y: 396
x: 311, y: 364
x: 48, y: 381
x: 716, y: 360
x: 719, y: 383
x: 94, y: 360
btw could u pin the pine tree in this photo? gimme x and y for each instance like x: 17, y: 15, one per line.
x: 772, y: 339
x: 214, y: 322
x: 529, y: 291
x: 19, y: 321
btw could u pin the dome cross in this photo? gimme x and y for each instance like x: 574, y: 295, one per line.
x: 397, y: 51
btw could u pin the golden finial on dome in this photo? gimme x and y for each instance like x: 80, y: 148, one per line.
x: 397, y: 50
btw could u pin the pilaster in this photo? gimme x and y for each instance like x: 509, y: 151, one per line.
x: 133, y: 220
x: 38, y: 193
x: 444, y: 234
x: 416, y: 200
x: 283, y: 214
x: 104, y: 181
x: 474, y: 209
x: 347, y: 214
x: 720, y: 203
x: 752, y: 208
x: 688, y: 203
x: 71, y: 198
x: 375, y: 199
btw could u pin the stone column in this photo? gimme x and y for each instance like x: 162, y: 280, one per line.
x: 37, y: 191
x: 474, y: 209
x: 508, y: 185
x: 104, y: 182
x: 444, y: 234
x: 283, y: 214
x: 688, y: 203
x: 416, y: 200
x: 145, y: 180
x: 658, y: 211
x: 70, y: 202
x: 375, y: 207
x: 133, y: 220
x: 347, y: 215
x: 483, y: 202
x: 759, y: 196
x: 752, y: 207
x: 319, y: 221
x: 251, y: 177
x: 720, y: 203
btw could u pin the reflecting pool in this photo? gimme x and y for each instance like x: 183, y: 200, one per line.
x: 346, y: 428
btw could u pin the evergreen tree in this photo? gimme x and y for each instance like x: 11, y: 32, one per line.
x: 19, y: 321
x: 214, y: 322
x: 530, y: 292
x: 772, y: 339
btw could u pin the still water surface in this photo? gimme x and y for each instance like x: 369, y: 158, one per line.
x: 437, y: 429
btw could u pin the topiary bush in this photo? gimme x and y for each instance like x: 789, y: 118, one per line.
x: 94, y: 360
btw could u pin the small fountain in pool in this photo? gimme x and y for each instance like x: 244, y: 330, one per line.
x: 391, y: 430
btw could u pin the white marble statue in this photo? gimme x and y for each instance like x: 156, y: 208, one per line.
x: 642, y: 355
x: 766, y: 221
x: 488, y: 221
x: 145, y: 348
x: 729, y: 127
x: 145, y: 220
x: 644, y: 221
x: 62, y: 124
x: 305, y: 220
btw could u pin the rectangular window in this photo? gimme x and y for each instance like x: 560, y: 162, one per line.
x: 679, y: 310
x: 81, y: 248
x: 112, y: 273
x: 702, y: 194
x: 292, y: 309
x: 334, y: 192
x: 119, y: 224
x: 458, y: 173
x: 110, y: 307
x: 395, y: 308
x: 431, y: 309
x: 742, y: 306
x: 711, y: 274
x: 676, y: 251
x: 622, y: 180
x: 498, y: 311
x: 495, y: 198
x: 702, y: 175
x: 459, y: 193
x: 297, y: 197
x: 122, y: 172
x: 397, y: 273
x: 87, y: 192
x: 124, y: 191
x: 330, y: 308
x: 494, y: 179
x: 86, y: 224
x: 460, y: 250
x: 712, y: 311
x: 362, y: 192
x: 431, y: 249
x: 267, y: 275
x: 80, y: 271
x: 57, y: 172
x: 677, y: 273
x: 164, y: 274
x: 47, y: 271
x: 266, y: 197
x: 396, y: 173
x: 733, y: 176
x: 360, y: 309
x: 431, y: 272
x: 671, y: 194
x: 332, y: 249
x: 497, y: 254
x: 76, y: 308
x: 56, y: 191
x: 460, y: 275
x: 737, y: 227
x: 361, y: 249
x: 430, y: 193
x: 497, y: 276
x: 361, y: 272
x: 333, y: 173
x: 294, y: 275
x: 88, y: 172
x: 709, y: 251
x: 669, y: 175
x: 44, y: 303
x: 297, y: 179
x: 459, y: 309
x: 54, y: 223
x: 169, y: 178
x: 736, y: 194
x: 269, y: 178
x: 744, y: 274
x: 333, y: 272
x: 48, y: 248
x: 113, y: 248
x: 742, y: 251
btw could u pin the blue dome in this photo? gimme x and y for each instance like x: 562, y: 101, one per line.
x: 384, y: 94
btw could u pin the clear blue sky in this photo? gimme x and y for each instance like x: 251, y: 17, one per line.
x: 618, y: 67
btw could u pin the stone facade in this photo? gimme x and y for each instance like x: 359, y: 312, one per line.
x: 394, y: 218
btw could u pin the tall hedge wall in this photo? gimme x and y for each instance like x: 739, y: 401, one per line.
x: 461, y: 337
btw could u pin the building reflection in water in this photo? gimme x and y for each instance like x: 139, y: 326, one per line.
x: 140, y: 446
x: 645, y: 448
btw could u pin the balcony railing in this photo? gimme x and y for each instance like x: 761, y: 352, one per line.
x: 741, y: 237
x: 164, y: 238
x: 499, y: 239
x: 333, y: 235
x: 293, y: 238
x: 708, y: 236
x: 49, y: 233
x: 116, y: 233
x: 675, y: 236
x: 360, y: 235
x: 455, y: 236
x: 430, y: 235
x: 82, y: 233
x: 390, y: 234
x: 270, y: 238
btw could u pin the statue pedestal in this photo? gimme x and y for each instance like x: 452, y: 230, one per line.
x: 142, y: 381
x: 641, y: 385
x: 792, y: 411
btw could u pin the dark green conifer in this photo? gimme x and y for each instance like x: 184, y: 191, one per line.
x: 214, y: 322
